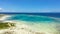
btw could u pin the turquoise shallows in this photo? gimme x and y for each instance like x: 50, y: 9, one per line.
x: 33, y: 18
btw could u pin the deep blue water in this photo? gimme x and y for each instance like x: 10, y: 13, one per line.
x: 43, y: 14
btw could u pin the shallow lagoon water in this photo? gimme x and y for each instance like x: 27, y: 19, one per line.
x: 37, y: 23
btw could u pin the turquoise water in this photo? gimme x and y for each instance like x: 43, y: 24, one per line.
x: 31, y: 18
x: 40, y: 23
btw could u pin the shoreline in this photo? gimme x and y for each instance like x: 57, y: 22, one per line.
x: 4, y: 17
x: 21, y: 27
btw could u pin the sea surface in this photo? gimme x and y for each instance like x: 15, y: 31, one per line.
x: 34, y: 17
x: 38, y: 22
x: 41, y: 14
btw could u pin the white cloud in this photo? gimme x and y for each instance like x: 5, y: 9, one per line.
x: 6, y: 10
x: 1, y: 9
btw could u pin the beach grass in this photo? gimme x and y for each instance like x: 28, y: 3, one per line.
x: 5, y: 25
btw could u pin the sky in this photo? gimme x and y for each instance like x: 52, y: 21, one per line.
x: 30, y: 6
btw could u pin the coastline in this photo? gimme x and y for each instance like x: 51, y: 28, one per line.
x: 4, y: 17
x: 21, y: 27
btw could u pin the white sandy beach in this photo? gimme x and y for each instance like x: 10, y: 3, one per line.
x: 22, y: 28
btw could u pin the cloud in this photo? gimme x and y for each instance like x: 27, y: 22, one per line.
x: 1, y: 9
x: 6, y: 10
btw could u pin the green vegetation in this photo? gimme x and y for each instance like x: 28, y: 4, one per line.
x: 6, y: 25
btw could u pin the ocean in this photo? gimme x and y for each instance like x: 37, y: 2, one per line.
x: 41, y: 14
x: 37, y: 22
